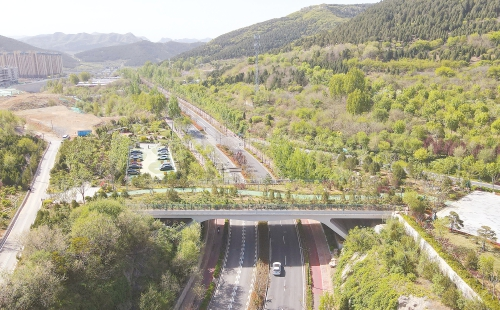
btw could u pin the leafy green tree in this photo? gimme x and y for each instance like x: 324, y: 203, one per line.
x: 336, y: 85
x: 174, y: 111
x: 422, y: 155
x: 415, y: 202
x: 486, y: 265
x: 73, y: 78
x: 358, y: 102
x: 84, y: 76
x: 445, y: 71
x: 398, y: 174
x: 354, y: 80
x: 399, y: 126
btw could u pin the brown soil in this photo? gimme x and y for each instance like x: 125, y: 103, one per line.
x: 49, y: 113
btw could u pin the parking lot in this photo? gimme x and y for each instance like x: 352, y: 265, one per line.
x: 150, y: 162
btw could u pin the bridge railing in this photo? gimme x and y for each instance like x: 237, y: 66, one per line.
x: 299, y: 207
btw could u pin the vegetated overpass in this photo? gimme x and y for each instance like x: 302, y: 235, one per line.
x: 340, y: 221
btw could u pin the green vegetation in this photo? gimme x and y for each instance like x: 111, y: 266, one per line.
x: 375, y: 270
x: 404, y: 21
x: 101, y: 256
x: 19, y: 158
x: 456, y: 265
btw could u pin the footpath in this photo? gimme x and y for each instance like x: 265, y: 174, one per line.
x: 207, y: 265
x: 319, y: 259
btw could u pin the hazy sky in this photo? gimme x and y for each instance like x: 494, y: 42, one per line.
x: 153, y: 19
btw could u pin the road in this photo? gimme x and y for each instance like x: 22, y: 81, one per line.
x: 237, y: 278
x: 286, y: 292
x: 228, y: 169
x: 256, y: 170
x: 235, y: 144
x: 27, y: 215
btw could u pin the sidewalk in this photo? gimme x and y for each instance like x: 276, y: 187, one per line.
x: 319, y: 257
x: 208, y: 262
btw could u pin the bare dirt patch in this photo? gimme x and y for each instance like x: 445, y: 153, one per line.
x: 50, y: 113
x: 58, y: 119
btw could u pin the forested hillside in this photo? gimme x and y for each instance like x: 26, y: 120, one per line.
x: 406, y: 20
x: 138, y: 53
x: 276, y: 33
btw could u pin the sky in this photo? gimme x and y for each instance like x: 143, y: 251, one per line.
x: 154, y: 19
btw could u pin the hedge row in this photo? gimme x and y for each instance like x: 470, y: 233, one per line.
x: 486, y: 297
x: 211, y: 288
x: 258, y: 297
x: 309, y: 302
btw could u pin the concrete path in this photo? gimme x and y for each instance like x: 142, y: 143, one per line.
x: 27, y: 214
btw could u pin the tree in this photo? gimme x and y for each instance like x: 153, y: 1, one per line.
x: 336, y: 85
x: 174, y: 111
x: 358, y: 102
x: 73, y: 78
x: 493, y: 171
x: 414, y: 202
x: 441, y: 226
x: 486, y: 233
x: 398, y: 174
x: 422, y: 155
x: 354, y: 80
x: 455, y: 221
x: 84, y: 76
x: 486, y: 263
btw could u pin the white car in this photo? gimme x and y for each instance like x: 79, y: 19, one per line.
x: 276, y: 268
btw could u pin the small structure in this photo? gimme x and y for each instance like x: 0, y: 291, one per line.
x: 83, y: 133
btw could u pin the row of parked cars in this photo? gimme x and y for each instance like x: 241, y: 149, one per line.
x: 135, y: 157
x: 164, y: 155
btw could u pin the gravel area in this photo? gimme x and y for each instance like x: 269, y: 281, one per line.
x: 476, y: 209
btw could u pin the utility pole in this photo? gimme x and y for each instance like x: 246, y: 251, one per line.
x: 256, y: 46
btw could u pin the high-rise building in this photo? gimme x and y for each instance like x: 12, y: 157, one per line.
x: 8, y: 76
x: 33, y: 64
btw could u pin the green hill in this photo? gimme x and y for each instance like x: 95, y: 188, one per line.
x: 405, y: 20
x: 278, y: 32
x: 11, y: 45
x: 136, y: 54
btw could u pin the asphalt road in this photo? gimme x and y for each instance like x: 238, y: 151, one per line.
x: 235, y: 144
x: 12, y: 246
x: 237, y: 278
x: 286, y: 292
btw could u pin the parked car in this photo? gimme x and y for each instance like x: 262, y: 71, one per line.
x: 136, y: 156
x: 136, y: 151
x: 276, y: 268
x: 166, y: 168
x: 163, y: 157
x: 133, y: 172
x: 134, y: 166
x: 163, y: 148
x: 163, y: 152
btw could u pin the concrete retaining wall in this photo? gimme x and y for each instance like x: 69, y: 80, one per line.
x: 466, y: 290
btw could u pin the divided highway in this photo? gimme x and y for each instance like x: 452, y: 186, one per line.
x: 236, y: 281
x: 286, y: 292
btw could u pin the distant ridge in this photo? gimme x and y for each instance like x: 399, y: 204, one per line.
x: 136, y: 54
x: 11, y: 45
x: 74, y: 43
x: 277, y: 33
x: 185, y: 40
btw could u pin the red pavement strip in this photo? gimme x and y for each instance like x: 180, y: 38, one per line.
x: 208, y: 273
x: 314, y: 263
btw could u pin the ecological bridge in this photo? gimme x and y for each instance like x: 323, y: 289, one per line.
x: 340, y: 218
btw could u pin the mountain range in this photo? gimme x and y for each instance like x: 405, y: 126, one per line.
x: 184, y: 40
x: 74, y: 43
x: 136, y: 54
